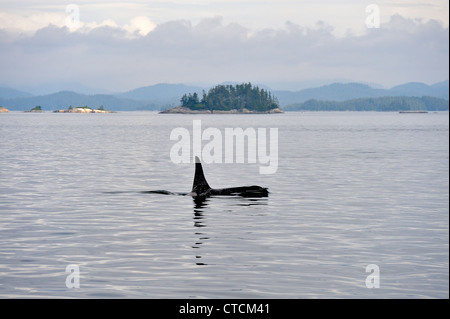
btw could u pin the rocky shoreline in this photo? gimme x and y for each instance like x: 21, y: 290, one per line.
x: 82, y: 110
x: 185, y: 110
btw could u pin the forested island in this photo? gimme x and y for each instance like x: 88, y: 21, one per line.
x: 234, y: 99
x: 36, y: 109
x: 379, y: 104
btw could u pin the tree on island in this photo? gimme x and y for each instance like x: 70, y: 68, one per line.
x: 232, y: 97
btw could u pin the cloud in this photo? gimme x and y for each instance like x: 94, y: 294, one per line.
x: 30, y: 23
x: 141, y: 25
x: 70, y: 18
x: 212, y: 51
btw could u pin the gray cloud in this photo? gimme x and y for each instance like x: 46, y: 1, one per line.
x: 402, y: 50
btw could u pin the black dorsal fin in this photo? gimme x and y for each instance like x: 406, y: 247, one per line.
x: 200, y: 185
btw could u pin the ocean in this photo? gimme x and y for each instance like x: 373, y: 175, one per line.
x: 358, y: 207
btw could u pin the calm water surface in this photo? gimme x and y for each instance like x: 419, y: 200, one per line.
x: 352, y: 189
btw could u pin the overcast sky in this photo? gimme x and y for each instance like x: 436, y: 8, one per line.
x: 118, y: 46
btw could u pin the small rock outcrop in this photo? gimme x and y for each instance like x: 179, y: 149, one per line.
x: 83, y: 110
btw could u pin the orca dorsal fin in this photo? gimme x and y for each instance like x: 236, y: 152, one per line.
x: 200, y: 185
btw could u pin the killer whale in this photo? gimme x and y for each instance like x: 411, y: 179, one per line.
x: 202, y: 190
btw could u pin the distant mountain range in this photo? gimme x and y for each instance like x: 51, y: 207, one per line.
x: 9, y: 93
x: 161, y: 96
x: 162, y: 93
x: 64, y: 99
x: 349, y: 91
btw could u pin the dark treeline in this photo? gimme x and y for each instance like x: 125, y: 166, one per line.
x: 380, y: 104
x: 230, y: 97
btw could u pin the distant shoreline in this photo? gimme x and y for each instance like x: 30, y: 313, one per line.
x: 185, y: 110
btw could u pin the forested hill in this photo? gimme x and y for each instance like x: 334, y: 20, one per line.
x: 389, y: 103
x: 232, y: 97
